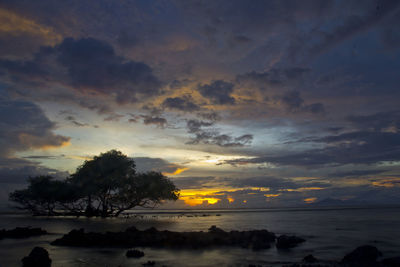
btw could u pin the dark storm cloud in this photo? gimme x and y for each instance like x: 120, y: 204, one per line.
x: 20, y: 175
x: 23, y: 126
x: 238, y: 40
x: 209, y: 116
x: 275, y: 80
x: 113, y: 117
x: 127, y: 39
x: 274, y: 77
x: 374, y: 13
x: 158, y: 121
x: 356, y: 173
x: 194, y: 182
x: 348, y: 148
x: 293, y: 102
x: 93, y: 63
x: 88, y: 65
x: 144, y: 164
x: 390, y: 34
x: 262, y: 181
x: 73, y: 120
x: 195, y: 126
x: 43, y: 157
x: 373, y: 139
x: 218, y: 92
x: 241, y: 39
x: 315, y: 108
x: 184, y: 103
x: 316, y: 57
x: 214, y: 137
x: 388, y: 120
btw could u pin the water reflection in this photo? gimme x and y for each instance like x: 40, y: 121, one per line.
x: 330, y: 233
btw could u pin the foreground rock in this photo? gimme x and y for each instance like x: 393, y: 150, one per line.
x: 21, y: 232
x: 285, y: 242
x: 391, y: 262
x: 134, y: 253
x: 39, y: 257
x: 363, y: 256
x: 132, y: 237
x: 309, y: 259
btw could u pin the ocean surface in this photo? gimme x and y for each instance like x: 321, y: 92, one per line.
x: 330, y: 233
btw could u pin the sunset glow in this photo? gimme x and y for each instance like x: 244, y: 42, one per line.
x: 268, y: 104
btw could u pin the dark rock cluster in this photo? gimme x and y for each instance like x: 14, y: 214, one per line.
x: 39, y: 257
x: 21, y: 232
x: 134, y: 253
x: 363, y: 256
x: 132, y: 237
x: 286, y: 242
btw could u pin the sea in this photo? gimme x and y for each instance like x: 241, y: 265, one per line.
x: 330, y: 233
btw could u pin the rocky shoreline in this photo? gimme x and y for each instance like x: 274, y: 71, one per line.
x: 214, y: 237
x: 21, y: 232
x: 363, y: 256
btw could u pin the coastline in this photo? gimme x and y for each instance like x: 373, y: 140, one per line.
x: 330, y: 234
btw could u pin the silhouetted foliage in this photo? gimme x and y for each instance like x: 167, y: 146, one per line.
x: 104, y: 186
x: 44, y: 194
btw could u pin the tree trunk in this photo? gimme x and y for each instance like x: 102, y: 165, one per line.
x: 104, y: 213
x: 89, y: 212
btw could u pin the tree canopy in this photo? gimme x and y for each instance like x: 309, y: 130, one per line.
x: 106, y: 185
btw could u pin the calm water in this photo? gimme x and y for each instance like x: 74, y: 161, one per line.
x: 330, y: 233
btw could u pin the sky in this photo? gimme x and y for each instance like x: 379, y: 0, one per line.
x: 242, y: 104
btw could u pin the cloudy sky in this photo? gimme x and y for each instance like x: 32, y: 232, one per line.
x: 241, y: 103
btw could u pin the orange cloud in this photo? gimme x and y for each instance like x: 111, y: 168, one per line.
x: 302, y: 189
x: 387, y: 182
x: 43, y: 142
x: 195, y: 197
x: 198, y: 197
x: 195, y: 201
x: 272, y: 195
x: 63, y: 144
x: 176, y: 172
x: 310, y: 200
x: 12, y: 23
x: 80, y: 157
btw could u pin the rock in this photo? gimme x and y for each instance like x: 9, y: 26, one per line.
x: 391, y: 262
x: 149, y: 263
x: 285, y: 242
x: 39, y: 257
x: 309, y: 259
x: 21, y: 232
x: 255, y: 239
x: 362, y: 256
x: 132, y: 229
x: 134, y: 253
x: 215, y: 229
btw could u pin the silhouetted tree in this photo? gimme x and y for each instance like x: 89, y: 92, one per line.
x: 43, y: 195
x: 102, y: 177
x: 104, y: 186
x: 144, y: 190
